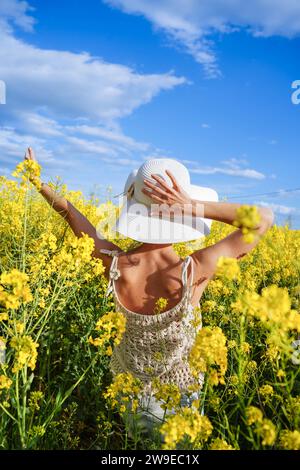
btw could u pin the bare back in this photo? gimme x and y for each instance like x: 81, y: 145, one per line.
x: 146, y: 276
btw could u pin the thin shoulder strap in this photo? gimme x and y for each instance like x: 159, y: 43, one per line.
x: 114, y: 272
x: 187, y: 285
x: 109, y: 252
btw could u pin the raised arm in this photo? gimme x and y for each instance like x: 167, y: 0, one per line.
x: 233, y: 245
x: 77, y: 221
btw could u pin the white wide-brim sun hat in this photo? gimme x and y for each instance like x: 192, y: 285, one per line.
x: 135, y: 220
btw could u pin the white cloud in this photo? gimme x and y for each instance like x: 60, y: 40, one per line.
x: 279, y: 208
x: 72, y: 85
x: 192, y: 22
x: 66, y: 105
x: 233, y: 170
x: 13, y: 143
x: 235, y: 163
x: 39, y: 124
x: 16, y: 12
x: 113, y: 135
x: 204, y: 125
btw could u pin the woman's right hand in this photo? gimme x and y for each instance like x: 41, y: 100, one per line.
x: 34, y: 177
x: 29, y: 155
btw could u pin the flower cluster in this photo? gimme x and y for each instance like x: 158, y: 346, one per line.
x: 25, y: 352
x: 28, y: 170
x: 253, y: 415
x: 5, y: 382
x: 112, y: 326
x: 124, y: 391
x: 220, y: 444
x: 160, y: 305
x: 228, y: 268
x: 273, y: 309
x: 209, y: 353
x: 189, y: 423
x: 168, y: 393
x: 264, y: 428
x: 35, y: 399
x: 247, y: 218
x: 14, y: 289
x: 290, y: 440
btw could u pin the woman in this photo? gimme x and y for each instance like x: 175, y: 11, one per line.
x: 161, y: 207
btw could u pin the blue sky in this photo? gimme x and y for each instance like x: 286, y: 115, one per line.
x: 98, y: 87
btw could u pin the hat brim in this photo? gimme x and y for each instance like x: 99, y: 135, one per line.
x: 136, y: 222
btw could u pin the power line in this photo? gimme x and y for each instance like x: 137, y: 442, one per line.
x: 282, y: 192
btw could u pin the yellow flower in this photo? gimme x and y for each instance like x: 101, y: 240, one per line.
x: 196, y: 321
x: 220, y: 444
x: 209, y: 306
x: 28, y: 170
x: 250, y: 370
x: 168, y: 393
x: 253, y: 415
x: 245, y: 347
x: 234, y: 380
x: 112, y: 326
x: 34, y: 400
x: 26, y: 352
x: 209, y: 350
x: 109, y: 350
x: 273, y: 309
x: 184, y: 249
x: 160, y: 305
x: 20, y: 326
x: 188, y: 422
x: 17, y: 289
x: 290, y: 440
x: 215, y: 402
x: 266, y: 391
x: 124, y: 388
x: 5, y: 382
x: 272, y: 352
x: 228, y: 268
x: 248, y: 219
x: 37, y: 431
x: 267, y: 432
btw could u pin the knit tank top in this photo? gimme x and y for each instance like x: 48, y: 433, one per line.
x: 156, y: 345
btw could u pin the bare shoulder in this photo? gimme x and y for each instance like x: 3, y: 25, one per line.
x: 203, y: 265
x: 107, y: 246
x: 104, y: 251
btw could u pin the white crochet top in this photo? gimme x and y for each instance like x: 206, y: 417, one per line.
x: 156, y: 345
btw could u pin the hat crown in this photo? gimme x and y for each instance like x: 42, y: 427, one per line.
x: 157, y: 166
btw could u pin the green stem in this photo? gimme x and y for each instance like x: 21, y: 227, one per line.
x: 8, y: 413
x: 25, y: 232
x: 24, y: 373
x: 19, y: 411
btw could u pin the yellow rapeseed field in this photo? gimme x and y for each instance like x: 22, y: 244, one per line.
x: 57, y: 334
